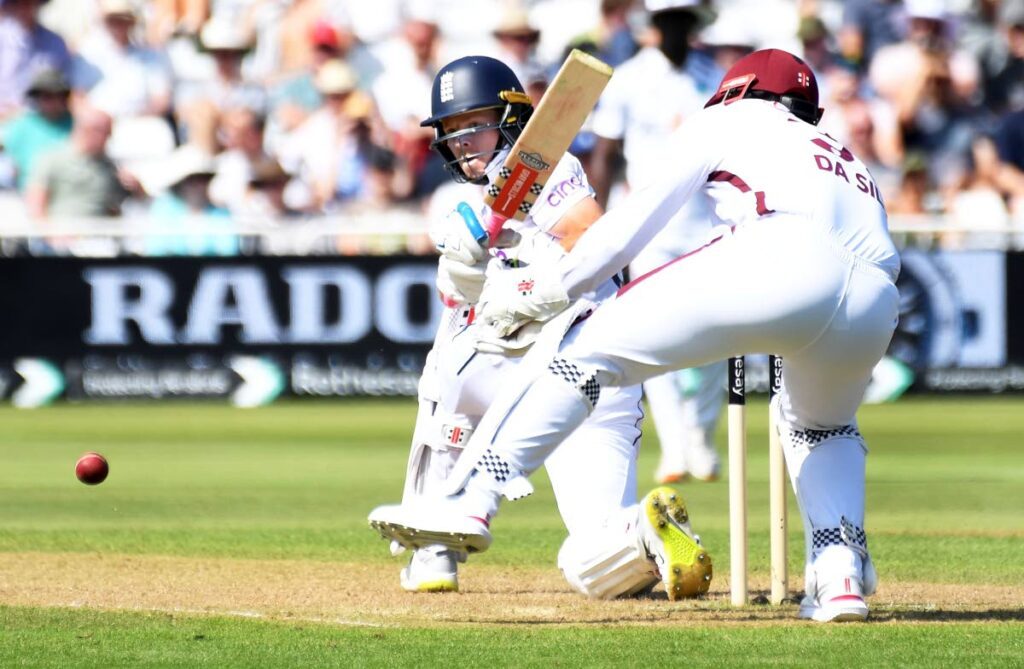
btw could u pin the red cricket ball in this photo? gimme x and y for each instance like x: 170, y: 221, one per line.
x: 92, y: 469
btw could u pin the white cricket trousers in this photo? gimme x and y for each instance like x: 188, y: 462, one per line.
x: 780, y: 285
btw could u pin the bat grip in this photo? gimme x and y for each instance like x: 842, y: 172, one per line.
x: 494, y: 227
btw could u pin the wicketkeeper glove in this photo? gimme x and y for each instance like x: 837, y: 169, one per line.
x: 518, y: 296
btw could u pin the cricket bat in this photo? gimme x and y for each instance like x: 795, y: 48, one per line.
x: 547, y: 135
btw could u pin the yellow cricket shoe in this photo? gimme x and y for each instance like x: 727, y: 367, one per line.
x: 684, y: 564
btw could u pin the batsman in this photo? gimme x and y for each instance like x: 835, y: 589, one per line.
x: 616, y: 547
x: 802, y: 265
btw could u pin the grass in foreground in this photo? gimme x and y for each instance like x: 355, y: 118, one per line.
x: 61, y: 637
x: 294, y: 482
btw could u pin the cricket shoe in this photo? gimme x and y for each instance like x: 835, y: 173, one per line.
x: 683, y: 563
x: 839, y: 598
x: 432, y: 569
x: 836, y: 601
x: 430, y: 524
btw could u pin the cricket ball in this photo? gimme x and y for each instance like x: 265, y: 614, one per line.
x: 92, y: 469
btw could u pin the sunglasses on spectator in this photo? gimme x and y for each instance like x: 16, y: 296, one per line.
x: 524, y: 38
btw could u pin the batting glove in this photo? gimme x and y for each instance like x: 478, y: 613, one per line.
x: 460, y: 237
x: 518, y: 296
x: 460, y: 283
x: 512, y: 346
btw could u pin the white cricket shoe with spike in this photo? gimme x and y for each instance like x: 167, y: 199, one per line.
x: 838, y: 598
x: 836, y: 601
x: 429, y: 524
x: 684, y: 564
x: 432, y: 569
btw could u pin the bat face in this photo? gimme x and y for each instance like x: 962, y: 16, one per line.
x: 551, y: 129
x: 510, y: 197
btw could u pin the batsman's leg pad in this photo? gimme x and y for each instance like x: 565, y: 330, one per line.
x: 609, y: 562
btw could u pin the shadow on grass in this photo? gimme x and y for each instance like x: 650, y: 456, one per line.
x: 946, y: 616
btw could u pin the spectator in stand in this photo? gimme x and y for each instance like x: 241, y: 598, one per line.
x: 867, y: 126
x: 241, y: 134
x: 266, y: 203
x: 197, y: 226
x: 933, y: 90
x: 130, y: 81
x: 914, y: 195
x: 327, y: 153
x: 168, y: 18
x: 264, y: 197
x: 978, y: 202
x: 295, y: 96
x: 44, y: 125
x: 869, y: 25
x: 517, y: 39
x: 1009, y: 174
x: 199, y: 103
x: 296, y: 25
x: 78, y: 178
x: 117, y: 74
x: 612, y: 38
x: 818, y: 51
x: 26, y: 48
x: 729, y: 38
x: 402, y: 92
x: 1004, y: 90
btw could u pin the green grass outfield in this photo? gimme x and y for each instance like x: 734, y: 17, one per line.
x: 228, y: 537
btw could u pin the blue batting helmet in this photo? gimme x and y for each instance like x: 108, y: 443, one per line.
x: 469, y: 84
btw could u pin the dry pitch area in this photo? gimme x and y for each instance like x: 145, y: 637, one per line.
x: 345, y: 594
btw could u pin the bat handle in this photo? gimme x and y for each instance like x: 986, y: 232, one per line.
x: 494, y: 227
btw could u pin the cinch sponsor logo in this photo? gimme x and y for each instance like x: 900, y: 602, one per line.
x: 560, y: 190
x: 514, y: 190
x: 534, y: 160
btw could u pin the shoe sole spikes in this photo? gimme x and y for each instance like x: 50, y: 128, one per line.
x: 688, y: 566
x: 411, y: 537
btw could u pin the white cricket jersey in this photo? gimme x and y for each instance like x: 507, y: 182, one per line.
x: 753, y: 159
x: 566, y: 186
x: 647, y: 99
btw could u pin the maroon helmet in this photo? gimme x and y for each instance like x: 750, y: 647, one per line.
x: 772, y: 74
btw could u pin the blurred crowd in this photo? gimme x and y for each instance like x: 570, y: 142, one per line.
x: 278, y: 110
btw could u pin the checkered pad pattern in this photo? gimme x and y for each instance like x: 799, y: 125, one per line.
x: 585, y: 383
x: 811, y: 438
x: 495, y: 466
x: 847, y: 534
